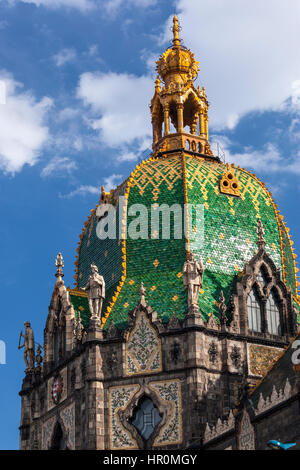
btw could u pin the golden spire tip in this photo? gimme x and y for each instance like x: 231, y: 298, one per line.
x: 176, y: 29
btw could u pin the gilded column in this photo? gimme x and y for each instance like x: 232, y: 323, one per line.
x: 180, y: 117
x: 202, y: 124
x: 206, y: 125
x: 167, y: 119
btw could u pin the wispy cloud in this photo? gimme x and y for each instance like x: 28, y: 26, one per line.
x: 82, y: 190
x: 83, y: 5
x: 23, y: 129
x: 266, y: 160
x: 110, y: 6
x: 111, y: 181
x: 117, y: 106
x: 64, y: 56
x: 59, y: 166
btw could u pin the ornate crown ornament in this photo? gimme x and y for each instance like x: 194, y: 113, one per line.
x: 177, y: 63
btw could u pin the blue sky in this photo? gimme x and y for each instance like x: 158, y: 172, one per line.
x: 79, y: 76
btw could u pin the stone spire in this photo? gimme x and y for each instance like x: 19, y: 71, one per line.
x: 142, y: 293
x: 222, y: 309
x: 260, y: 234
x: 59, y: 263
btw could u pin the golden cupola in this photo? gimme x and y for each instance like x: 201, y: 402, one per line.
x: 179, y: 109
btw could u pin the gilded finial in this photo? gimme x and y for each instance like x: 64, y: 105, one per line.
x: 176, y: 29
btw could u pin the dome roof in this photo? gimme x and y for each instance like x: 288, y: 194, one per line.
x: 230, y: 238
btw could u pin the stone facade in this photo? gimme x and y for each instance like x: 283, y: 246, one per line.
x: 193, y: 372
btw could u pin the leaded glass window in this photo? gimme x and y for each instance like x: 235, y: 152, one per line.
x: 273, y: 315
x: 146, y: 417
x: 254, y: 312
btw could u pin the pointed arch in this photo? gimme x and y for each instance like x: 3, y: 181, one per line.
x: 261, y: 289
x: 254, y: 311
x: 273, y: 314
x: 58, y: 332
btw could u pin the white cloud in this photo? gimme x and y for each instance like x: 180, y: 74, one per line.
x: 248, y: 53
x: 23, y: 132
x: 82, y: 190
x: 111, y: 181
x: 64, y: 56
x: 268, y: 160
x: 127, y: 157
x: 118, y: 106
x: 59, y: 166
x: 296, y: 94
x: 93, y: 50
x: 83, y: 5
x: 111, y: 6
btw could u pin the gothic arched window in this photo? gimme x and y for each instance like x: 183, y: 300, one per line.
x: 273, y: 314
x: 254, y: 312
x: 58, y: 440
x: 262, y: 276
x: 145, y: 418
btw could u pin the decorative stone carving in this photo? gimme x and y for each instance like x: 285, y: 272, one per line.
x: 78, y: 328
x: 246, y: 436
x: 39, y: 358
x: 211, y: 432
x: 28, y: 345
x: 234, y: 325
x: 95, y: 288
x: 169, y: 392
x: 112, y: 331
x: 59, y: 263
x: 67, y: 416
x: 260, y: 235
x: 213, y: 352
x: 212, y: 323
x: 192, y: 280
x: 222, y: 309
x: 274, y: 399
x: 142, y: 292
x: 119, y: 398
x: 174, y: 323
x: 57, y: 388
x: 143, y: 348
x: 236, y: 356
x: 229, y: 183
x: 48, y: 428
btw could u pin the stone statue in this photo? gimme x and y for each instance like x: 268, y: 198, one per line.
x: 95, y: 288
x: 192, y: 279
x: 28, y: 345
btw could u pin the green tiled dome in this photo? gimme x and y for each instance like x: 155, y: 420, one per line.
x: 230, y: 225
